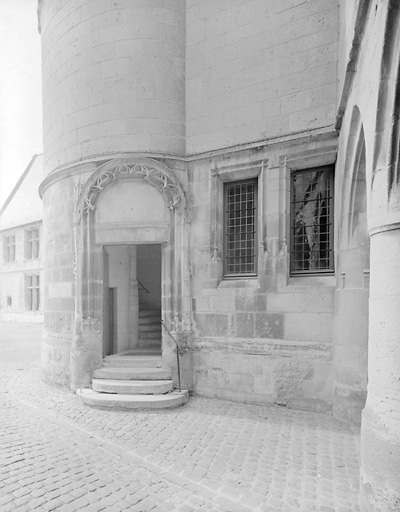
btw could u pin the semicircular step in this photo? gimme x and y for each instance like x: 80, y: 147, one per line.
x: 110, y: 372
x: 133, y: 387
x: 111, y: 401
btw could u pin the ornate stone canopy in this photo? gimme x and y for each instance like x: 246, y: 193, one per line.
x: 147, y: 169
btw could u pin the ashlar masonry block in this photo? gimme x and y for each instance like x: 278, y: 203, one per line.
x: 269, y: 325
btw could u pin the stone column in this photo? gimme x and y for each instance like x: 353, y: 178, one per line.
x: 133, y: 299
x: 350, y: 349
x: 380, y: 429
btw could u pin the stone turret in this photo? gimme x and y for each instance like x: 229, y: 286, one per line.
x: 113, y: 79
x: 113, y: 85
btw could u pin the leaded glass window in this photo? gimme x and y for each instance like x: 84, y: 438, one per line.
x: 240, y: 228
x: 312, y: 221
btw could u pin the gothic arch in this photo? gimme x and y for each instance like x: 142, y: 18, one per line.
x: 131, y: 168
x: 86, y: 351
x: 387, y: 137
x: 353, y: 249
x: 353, y: 187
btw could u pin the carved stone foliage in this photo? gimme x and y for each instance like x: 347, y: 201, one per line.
x: 154, y: 176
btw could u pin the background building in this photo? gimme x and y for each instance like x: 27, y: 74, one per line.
x: 234, y: 166
x: 21, y: 270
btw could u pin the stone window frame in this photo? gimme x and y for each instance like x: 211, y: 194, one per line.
x: 229, y: 174
x: 300, y: 159
x: 9, y: 248
x: 32, y: 292
x: 253, y: 273
x: 32, y: 243
x: 331, y: 200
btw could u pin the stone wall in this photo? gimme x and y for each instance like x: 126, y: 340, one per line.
x: 115, y: 82
x: 258, y: 69
x: 112, y: 78
x: 59, y: 281
x: 13, y: 278
x: 269, y: 338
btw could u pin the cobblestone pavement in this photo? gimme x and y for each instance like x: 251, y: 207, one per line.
x: 58, y: 455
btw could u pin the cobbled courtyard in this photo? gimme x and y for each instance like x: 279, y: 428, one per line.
x: 58, y: 455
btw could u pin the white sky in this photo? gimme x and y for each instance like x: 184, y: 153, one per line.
x: 20, y: 90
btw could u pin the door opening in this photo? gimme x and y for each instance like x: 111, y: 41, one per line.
x: 132, y: 298
x: 149, y: 289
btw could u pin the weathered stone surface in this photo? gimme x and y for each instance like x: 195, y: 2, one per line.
x: 217, y: 86
x: 231, y: 456
x: 269, y: 325
x: 210, y: 324
x: 245, y: 325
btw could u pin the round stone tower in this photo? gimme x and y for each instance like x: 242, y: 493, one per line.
x: 113, y: 90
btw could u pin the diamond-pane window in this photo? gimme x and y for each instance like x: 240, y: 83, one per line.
x: 312, y: 221
x: 240, y: 207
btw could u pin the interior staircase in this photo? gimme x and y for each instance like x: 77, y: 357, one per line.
x: 135, y: 379
x: 150, y: 328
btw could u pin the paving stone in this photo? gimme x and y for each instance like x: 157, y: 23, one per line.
x: 236, y: 457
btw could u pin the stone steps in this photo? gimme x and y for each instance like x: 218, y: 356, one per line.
x: 134, y: 379
x: 150, y: 331
x: 123, y: 401
x: 121, y: 373
x: 150, y: 319
x: 150, y: 312
x: 150, y: 327
x: 150, y: 340
x: 149, y: 350
x: 133, y: 361
x: 133, y: 387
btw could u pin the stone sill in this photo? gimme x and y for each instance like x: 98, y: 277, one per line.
x: 306, y: 282
x: 239, y: 282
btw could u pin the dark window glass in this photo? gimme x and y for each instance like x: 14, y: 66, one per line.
x: 312, y: 221
x: 240, y: 206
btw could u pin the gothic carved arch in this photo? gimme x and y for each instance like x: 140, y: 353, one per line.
x: 132, y: 168
x: 89, y: 268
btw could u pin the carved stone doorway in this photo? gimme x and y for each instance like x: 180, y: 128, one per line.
x: 128, y: 207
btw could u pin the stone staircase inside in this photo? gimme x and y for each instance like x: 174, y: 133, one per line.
x: 135, y: 379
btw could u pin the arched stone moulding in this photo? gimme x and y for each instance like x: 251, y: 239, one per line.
x: 347, y: 187
x: 148, y: 169
x: 86, y: 351
x: 387, y: 133
x: 352, y: 266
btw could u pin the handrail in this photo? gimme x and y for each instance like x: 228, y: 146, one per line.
x: 179, y: 352
x: 142, y: 287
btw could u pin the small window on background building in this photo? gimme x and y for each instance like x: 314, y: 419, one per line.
x: 33, y: 293
x: 9, y: 248
x: 240, y: 233
x: 312, y: 221
x: 32, y: 243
